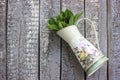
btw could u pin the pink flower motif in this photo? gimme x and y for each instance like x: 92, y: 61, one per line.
x: 82, y: 45
x: 90, y: 51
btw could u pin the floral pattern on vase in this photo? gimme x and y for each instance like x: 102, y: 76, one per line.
x: 85, y: 52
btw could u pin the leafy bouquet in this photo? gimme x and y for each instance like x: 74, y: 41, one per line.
x: 64, y: 19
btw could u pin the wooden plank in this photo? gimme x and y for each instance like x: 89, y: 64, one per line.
x: 2, y: 39
x: 71, y: 69
x: 114, y: 39
x: 49, y: 42
x: 110, y: 63
x: 96, y: 11
x: 22, y: 40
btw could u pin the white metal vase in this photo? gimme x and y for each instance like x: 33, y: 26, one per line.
x: 90, y: 57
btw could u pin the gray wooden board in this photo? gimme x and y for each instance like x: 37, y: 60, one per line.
x: 109, y: 27
x: 2, y: 40
x: 49, y: 42
x: 71, y: 69
x: 114, y: 55
x: 96, y: 11
x: 22, y: 40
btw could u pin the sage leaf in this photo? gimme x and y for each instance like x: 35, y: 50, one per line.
x: 77, y: 16
x: 52, y: 21
x: 71, y: 21
x: 53, y: 27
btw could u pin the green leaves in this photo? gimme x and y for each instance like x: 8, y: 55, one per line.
x: 77, y: 16
x: 71, y: 21
x: 53, y: 27
x: 62, y: 24
x: 64, y: 19
x: 52, y: 21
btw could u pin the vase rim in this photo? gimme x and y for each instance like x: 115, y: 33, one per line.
x: 66, y: 28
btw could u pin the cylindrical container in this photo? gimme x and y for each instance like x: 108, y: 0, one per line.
x: 88, y: 55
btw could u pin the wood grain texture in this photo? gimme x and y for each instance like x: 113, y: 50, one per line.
x: 109, y: 27
x: 114, y: 36
x: 2, y: 39
x: 71, y: 69
x: 49, y: 42
x: 22, y: 40
x: 96, y: 11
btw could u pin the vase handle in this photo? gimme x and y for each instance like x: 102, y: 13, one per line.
x: 93, y: 27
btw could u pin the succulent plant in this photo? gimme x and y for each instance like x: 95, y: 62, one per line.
x: 64, y: 19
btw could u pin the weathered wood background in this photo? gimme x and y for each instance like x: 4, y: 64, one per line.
x: 29, y: 51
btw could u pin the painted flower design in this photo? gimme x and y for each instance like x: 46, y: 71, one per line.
x: 83, y: 55
x: 86, y: 53
x: 89, y: 49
